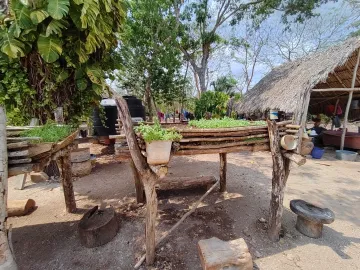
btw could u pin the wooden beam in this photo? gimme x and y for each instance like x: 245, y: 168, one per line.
x: 352, y: 89
x: 298, y: 159
x: 67, y: 182
x: 349, y: 69
x: 280, y: 174
x: 349, y: 102
x: 339, y: 80
x: 139, y: 188
x: 223, y: 161
x: 175, y: 183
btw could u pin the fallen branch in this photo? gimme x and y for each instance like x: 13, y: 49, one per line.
x: 142, y: 259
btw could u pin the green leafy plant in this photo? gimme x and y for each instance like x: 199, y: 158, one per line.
x: 56, y: 53
x: 212, y: 102
x: 156, y: 133
x: 50, y: 132
x: 224, y: 123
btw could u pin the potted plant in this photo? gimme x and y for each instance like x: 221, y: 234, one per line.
x: 158, y: 142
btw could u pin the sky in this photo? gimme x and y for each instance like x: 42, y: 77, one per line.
x: 222, y: 63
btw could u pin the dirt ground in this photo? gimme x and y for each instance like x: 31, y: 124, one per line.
x: 48, y: 238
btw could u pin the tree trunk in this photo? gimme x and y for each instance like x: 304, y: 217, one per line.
x: 148, y: 177
x: 148, y: 98
x: 222, y: 172
x: 6, y: 258
x: 67, y: 182
x: 280, y: 175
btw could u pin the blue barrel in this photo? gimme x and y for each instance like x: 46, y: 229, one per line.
x: 317, y: 152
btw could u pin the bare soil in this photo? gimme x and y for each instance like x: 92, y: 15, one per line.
x: 48, y: 237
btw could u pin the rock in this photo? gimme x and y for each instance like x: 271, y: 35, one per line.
x: 216, y: 254
x: 38, y: 177
x: 262, y: 220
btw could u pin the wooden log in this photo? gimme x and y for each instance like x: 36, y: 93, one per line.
x: 139, y: 188
x: 224, y: 134
x: 222, y: 172
x: 17, y: 145
x: 298, y: 159
x: 174, y: 183
x: 284, y: 123
x: 293, y: 126
x: 259, y: 147
x: 292, y: 131
x: 21, y: 153
x: 15, y: 128
x: 19, y: 161
x: 21, y: 169
x: 280, y: 175
x: 23, y: 138
x: 98, y: 227
x: 66, y: 182
x: 222, y: 145
x: 219, y: 130
x: 202, y: 139
x: 20, y: 207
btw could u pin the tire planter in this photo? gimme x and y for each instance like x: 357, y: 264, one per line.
x: 158, y: 152
x: 98, y: 227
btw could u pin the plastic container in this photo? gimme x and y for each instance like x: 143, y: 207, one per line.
x: 274, y: 114
x: 346, y: 155
x: 158, y: 152
x: 317, y: 152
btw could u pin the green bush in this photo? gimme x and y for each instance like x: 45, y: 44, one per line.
x: 157, y: 133
x: 50, y: 132
x: 212, y: 102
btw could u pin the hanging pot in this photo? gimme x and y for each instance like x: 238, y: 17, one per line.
x: 158, y: 152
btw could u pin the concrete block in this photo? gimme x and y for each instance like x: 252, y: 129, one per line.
x: 38, y: 177
x: 216, y: 254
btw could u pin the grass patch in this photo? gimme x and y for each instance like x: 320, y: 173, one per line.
x: 224, y: 123
x: 49, y: 132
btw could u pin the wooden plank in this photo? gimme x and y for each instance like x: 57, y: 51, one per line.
x: 21, y: 153
x: 284, y: 123
x: 224, y: 134
x: 21, y: 182
x: 259, y: 147
x: 298, y: 159
x: 222, y: 145
x: 19, y: 161
x: 292, y: 131
x: 23, y: 139
x: 223, y: 161
x: 175, y: 183
x: 17, y: 145
x: 202, y: 139
x: 21, y: 169
x: 293, y: 126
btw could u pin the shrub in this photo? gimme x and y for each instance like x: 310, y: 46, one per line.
x: 157, y: 133
x: 213, y: 102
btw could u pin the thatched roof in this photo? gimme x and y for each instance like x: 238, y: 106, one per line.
x: 285, y: 86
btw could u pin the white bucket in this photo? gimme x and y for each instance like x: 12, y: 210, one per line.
x: 274, y: 114
x: 158, y: 152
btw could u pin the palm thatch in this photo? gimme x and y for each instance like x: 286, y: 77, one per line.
x: 285, y: 86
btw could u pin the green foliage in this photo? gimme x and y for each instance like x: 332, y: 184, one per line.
x: 156, y: 133
x: 62, y: 51
x: 50, y: 132
x: 224, y: 123
x: 212, y: 102
x: 225, y: 84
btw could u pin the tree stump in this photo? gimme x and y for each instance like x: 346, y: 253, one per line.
x: 98, y: 227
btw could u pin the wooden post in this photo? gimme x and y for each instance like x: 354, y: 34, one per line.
x: 301, y: 117
x: 349, y: 102
x: 280, y: 174
x: 222, y: 172
x: 6, y: 258
x: 139, y: 188
x: 334, y: 114
x: 67, y: 181
x: 147, y: 176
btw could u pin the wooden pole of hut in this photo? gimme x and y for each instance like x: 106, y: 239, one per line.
x: 349, y: 102
x: 6, y: 259
x: 147, y: 176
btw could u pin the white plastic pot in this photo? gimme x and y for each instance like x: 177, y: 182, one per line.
x: 158, y: 152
